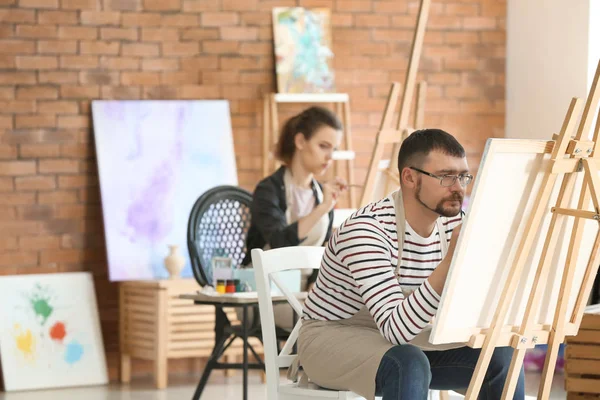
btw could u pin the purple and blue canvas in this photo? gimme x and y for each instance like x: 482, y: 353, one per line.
x: 155, y: 158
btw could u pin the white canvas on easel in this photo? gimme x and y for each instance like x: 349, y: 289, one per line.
x: 502, y: 197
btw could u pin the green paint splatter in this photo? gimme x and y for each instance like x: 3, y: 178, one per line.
x: 40, y: 303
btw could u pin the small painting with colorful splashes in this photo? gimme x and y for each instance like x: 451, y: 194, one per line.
x: 50, y: 332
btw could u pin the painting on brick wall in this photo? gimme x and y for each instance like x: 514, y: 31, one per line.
x: 50, y: 332
x: 155, y: 158
x: 303, y: 55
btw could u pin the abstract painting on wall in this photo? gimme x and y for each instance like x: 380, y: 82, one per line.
x: 155, y: 158
x: 303, y: 55
x: 50, y: 332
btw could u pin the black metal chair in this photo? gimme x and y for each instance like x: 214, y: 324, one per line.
x: 219, y: 221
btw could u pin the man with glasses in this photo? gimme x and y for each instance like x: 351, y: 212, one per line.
x: 368, y: 317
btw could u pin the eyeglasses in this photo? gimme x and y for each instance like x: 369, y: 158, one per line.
x: 448, y: 180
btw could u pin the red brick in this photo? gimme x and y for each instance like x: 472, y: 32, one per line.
x: 479, y: 23
x: 339, y: 19
x: 160, y: 34
x: 120, y: 63
x: 442, y: 22
x: 17, y: 15
x: 17, y: 46
x: 119, y: 33
x: 7, y: 242
x: 372, y: 21
x: 462, y: 65
x: 493, y: 37
x: 244, y: 33
x: 58, y: 166
x: 375, y: 49
x: 161, y: 64
x: 17, y: 106
x: 220, y: 47
x: 256, y: 48
x: 39, y: 150
x: 16, y: 168
x: 196, y: 6
x: 77, y: 32
x: 162, y: 5
x: 18, y: 259
x: 179, y: 78
x: 73, y: 121
x: 236, y: 5
x: 6, y: 31
x: 165, y: 92
x: 80, y: 4
x: 37, y: 62
x: 99, y: 77
x: 140, y: 49
x: 75, y: 150
x: 461, y: 37
x: 36, y: 31
x: 237, y: 63
x: 79, y: 92
x: 263, y: 18
x: 16, y: 199
x: 98, y: 47
x: 35, y: 121
x: 219, y: 19
x: 122, y: 5
x: 462, y: 9
x: 493, y: 9
x: 354, y: 5
x: 39, y: 242
x: 392, y: 35
x: 200, y: 92
x: 121, y: 92
x: 58, y: 107
x: 57, y: 17
x: 7, y: 93
x: 38, y: 3
x: 255, y: 77
x: 54, y: 257
x: 37, y: 182
x: 200, y: 34
x: 180, y: 20
x: 37, y: 92
x: 353, y: 35
x: 240, y: 92
x: 187, y: 49
x: 382, y: 7
x: 141, y: 19
x: 57, y: 46
x: 265, y: 33
x: 8, y: 151
x: 100, y: 17
x: 8, y: 61
x: 76, y: 181
x: 59, y: 77
x: 140, y: 78
x: 78, y: 62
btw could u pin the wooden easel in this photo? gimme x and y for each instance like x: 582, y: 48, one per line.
x: 388, y: 134
x: 341, y: 103
x: 569, y: 158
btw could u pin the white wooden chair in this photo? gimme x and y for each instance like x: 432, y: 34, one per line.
x: 266, y: 264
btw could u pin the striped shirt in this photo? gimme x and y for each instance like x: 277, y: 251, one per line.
x: 358, y: 269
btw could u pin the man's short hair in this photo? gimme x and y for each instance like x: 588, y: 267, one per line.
x: 417, y: 146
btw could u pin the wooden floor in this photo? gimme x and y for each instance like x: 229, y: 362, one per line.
x: 219, y: 387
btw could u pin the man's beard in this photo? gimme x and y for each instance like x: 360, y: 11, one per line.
x: 439, y: 208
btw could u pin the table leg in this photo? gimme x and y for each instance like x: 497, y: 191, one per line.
x: 245, y: 354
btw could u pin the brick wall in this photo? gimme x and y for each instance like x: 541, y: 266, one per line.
x: 58, y: 55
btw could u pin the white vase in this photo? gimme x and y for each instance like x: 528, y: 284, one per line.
x: 174, y: 262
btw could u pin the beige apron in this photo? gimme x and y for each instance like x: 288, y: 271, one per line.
x: 345, y: 354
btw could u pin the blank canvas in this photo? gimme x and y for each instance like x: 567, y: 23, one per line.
x: 503, y: 196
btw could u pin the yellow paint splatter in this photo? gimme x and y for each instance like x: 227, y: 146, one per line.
x: 25, y: 342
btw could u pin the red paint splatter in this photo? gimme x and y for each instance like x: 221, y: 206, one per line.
x: 58, y: 331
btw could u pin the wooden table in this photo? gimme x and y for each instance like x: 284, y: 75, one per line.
x: 225, y: 333
x: 157, y: 325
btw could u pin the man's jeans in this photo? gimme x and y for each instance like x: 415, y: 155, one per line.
x: 407, y: 372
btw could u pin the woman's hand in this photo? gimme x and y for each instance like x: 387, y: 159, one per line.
x: 331, y: 192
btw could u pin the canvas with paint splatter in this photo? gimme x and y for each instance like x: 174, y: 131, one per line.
x: 303, y: 55
x: 155, y: 158
x: 50, y: 332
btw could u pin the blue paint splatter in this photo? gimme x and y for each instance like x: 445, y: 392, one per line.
x: 74, y: 352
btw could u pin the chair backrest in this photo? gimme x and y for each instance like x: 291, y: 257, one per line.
x: 266, y: 264
x: 219, y: 221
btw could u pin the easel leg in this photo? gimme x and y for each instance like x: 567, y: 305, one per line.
x: 513, y: 374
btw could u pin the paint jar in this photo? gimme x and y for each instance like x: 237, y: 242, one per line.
x: 238, y: 285
x: 230, y: 287
x: 220, y: 286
